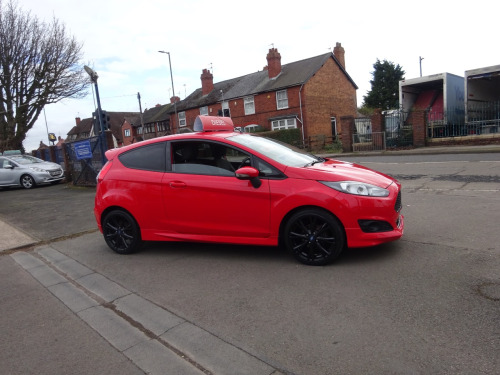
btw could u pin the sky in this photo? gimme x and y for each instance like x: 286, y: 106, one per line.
x: 121, y: 40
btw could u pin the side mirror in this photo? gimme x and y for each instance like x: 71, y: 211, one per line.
x: 251, y: 174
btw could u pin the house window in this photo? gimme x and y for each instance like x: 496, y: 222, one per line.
x: 281, y: 99
x: 139, y: 130
x: 333, y: 121
x: 289, y: 123
x: 249, y: 105
x: 204, y: 111
x: 161, y: 127
x: 127, y: 132
x: 182, y: 119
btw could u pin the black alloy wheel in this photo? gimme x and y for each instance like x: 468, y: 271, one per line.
x: 121, y: 232
x: 27, y: 181
x: 314, y: 237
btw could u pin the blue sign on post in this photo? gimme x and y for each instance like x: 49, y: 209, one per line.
x: 83, y: 150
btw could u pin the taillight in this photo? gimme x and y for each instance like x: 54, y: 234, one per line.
x: 104, y: 170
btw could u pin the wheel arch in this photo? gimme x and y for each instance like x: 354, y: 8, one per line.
x: 285, y: 219
x: 33, y: 180
x: 119, y: 208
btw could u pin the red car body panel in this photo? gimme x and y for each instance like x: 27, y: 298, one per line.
x: 170, y: 206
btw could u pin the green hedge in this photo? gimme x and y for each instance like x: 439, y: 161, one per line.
x: 290, y: 136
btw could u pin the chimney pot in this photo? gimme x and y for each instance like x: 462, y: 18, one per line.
x: 207, y: 82
x: 273, y: 63
x: 339, y: 53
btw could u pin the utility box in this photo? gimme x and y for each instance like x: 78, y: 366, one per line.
x: 442, y: 95
x: 482, y: 87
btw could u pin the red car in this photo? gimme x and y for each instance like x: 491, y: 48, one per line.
x: 218, y: 185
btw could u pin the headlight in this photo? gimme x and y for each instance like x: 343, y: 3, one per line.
x: 357, y: 188
x: 37, y: 169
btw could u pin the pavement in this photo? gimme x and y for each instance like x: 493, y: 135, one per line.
x: 85, y: 323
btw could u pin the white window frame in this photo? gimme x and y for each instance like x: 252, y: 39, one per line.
x: 249, y: 104
x: 286, y: 123
x: 281, y: 99
x: 127, y: 132
x: 204, y: 111
x: 182, y: 119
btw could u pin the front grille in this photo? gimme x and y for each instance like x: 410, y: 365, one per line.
x: 398, y: 205
x: 55, y: 173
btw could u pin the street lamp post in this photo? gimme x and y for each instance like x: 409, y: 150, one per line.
x: 100, y: 139
x: 173, y: 90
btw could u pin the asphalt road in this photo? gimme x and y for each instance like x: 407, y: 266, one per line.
x: 427, y: 304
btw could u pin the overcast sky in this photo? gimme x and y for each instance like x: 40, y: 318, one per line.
x: 121, y: 39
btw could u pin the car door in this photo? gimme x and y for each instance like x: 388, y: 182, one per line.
x: 8, y: 176
x: 203, y: 201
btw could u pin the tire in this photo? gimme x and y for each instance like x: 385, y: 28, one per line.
x: 121, y: 232
x: 314, y: 237
x: 27, y: 181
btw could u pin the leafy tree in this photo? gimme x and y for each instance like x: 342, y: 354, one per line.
x: 385, y: 86
x: 39, y: 65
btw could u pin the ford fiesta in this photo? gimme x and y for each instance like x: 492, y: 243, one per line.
x: 217, y: 185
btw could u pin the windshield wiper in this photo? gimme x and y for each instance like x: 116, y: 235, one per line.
x: 318, y: 160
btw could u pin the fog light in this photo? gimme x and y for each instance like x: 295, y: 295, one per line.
x: 375, y: 226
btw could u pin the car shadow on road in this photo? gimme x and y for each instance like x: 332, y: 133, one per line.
x: 369, y: 254
x: 243, y: 253
x: 249, y: 253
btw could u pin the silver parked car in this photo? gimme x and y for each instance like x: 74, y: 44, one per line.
x: 27, y: 171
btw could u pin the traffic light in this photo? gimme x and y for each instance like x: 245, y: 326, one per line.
x: 105, y: 120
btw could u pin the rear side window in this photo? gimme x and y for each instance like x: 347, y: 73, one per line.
x: 148, y: 158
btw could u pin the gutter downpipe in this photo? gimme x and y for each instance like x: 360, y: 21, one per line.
x: 301, y: 116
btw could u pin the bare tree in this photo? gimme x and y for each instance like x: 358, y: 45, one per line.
x: 39, y: 65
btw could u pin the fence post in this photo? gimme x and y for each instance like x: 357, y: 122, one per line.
x: 377, y: 121
x: 419, y: 128
x: 347, y: 126
x: 53, y: 157
x: 68, y: 172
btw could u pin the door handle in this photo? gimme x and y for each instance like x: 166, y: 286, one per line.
x: 177, y: 184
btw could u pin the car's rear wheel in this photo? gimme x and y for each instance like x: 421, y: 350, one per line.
x: 314, y: 237
x: 27, y: 181
x: 121, y: 232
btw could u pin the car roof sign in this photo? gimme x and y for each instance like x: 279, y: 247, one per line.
x: 213, y: 123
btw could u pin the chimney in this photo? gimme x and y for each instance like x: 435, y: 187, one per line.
x: 78, y: 120
x: 175, y: 99
x: 207, y: 82
x: 339, y: 53
x: 273, y: 63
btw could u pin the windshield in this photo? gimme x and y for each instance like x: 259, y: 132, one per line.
x: 25, y: 159
x: 282, y: 153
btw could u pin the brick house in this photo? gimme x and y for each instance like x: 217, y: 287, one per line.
x: 155, y: 123
x: 85, y: 128
x: 314, y: 92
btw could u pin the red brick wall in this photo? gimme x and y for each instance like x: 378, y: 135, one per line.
x: 327, y: 94
x: 127, y: 140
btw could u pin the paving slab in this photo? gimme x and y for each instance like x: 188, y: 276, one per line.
x: 149, y: 315
x: 12, y: 238
x: 102, y: 287
x: 155, y: 359
x: 116, y: 330
x: 71, y: 296
x: 213, y: 353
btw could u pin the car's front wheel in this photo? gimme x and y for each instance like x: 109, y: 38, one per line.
x: 314, y: 237
x: 27, y: 181
x: 121, y: 232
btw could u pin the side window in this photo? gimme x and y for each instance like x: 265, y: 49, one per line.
x: 148, y: 158
x: 205, y: 158
x: 267, y: 170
